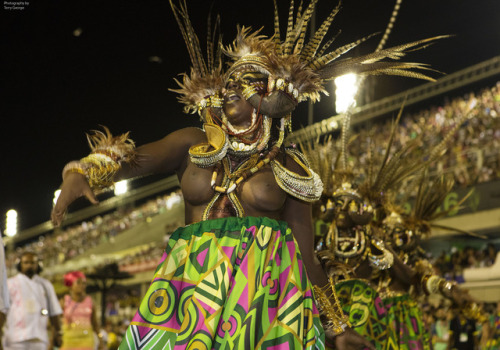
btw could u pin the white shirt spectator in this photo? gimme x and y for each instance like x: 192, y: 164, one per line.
x: 33, y: 301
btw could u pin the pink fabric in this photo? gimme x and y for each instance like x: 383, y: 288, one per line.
x: 79, y: 313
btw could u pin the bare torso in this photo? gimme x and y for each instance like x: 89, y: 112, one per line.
x: 259, y: 195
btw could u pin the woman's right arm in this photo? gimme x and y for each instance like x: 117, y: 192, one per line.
x: 167, y: 155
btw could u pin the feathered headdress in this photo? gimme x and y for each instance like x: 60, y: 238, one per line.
x: 298, y: 70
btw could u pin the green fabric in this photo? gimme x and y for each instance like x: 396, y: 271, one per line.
x: 393, y: 323
x: 231, y: 283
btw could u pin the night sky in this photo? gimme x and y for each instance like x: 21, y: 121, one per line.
x: 70, y: 66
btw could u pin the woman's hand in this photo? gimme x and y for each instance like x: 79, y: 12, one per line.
x: 350, y: 340
x: 73, y: 187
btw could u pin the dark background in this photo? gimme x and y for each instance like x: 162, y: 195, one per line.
x: 55, y: 85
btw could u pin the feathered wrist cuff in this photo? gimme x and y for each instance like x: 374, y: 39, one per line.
x: 107, y: 154
x: 336, y: 320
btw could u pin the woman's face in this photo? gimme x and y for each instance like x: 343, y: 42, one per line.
x: 238, y: 110
x: 79, y: 285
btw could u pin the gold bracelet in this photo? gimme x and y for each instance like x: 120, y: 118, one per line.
x: 337, y: 321
x: 102, y: 164
x: 100, y: 173
x: 73, y: 167
x: 431, y: 283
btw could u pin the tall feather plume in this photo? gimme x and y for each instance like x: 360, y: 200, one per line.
x: 182, y: 26
x: 327, y: 45
x: 289, y: 31
x: 213, y: 57
x: 346, y: 126
x: 311, y: 48
x: 301, y: 27
x: 320, y: 62
x: 442, y: 146
x: 206, y: 77
x: 277, y: 35
x: 430, y: 195
x: 400, y: 51
x: 378, y: 68
x: 369, y: 64
x: 389, y: 26
x: 370, y: 159
x: 394, y: 168
x: 390, y: 142
x: 193, y: 37
x: 299, y: 12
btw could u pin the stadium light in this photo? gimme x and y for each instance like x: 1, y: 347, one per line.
x: 345, y: 92
x: 121, y: 187
x: 11, y: 223
x: 56, y: 196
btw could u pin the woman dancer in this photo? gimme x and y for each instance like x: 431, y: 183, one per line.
x: 234, y: 277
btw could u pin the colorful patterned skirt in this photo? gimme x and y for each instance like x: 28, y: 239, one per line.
x: 391, y: 323
x: 230, y: 283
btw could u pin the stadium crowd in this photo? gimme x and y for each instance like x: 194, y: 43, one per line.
x: 473, y: 156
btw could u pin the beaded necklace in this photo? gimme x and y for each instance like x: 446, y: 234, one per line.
x: 237, y: 172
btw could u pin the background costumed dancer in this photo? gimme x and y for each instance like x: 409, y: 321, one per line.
x: 359, y: 208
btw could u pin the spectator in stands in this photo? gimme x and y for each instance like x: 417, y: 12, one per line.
x: 4, y: 291
x: 494, y: 338
x: 33, y: 303
x: 111, y: 336
x: 79, y: 317
x: 463, y: 333
x: 441, y: 328
x: 474, y: 156
x: 490, y: 254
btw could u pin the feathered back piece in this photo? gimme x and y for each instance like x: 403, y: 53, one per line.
x: 302, y: 68
x: 200, y: 89
x: 431, y: 193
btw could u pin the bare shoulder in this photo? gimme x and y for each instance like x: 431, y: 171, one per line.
x: 189, y: 135
x: 192, y: 131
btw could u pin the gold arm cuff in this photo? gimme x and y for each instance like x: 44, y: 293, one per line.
x: 100, y: 170
x: 336, y: 320
x: 430, y: 284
